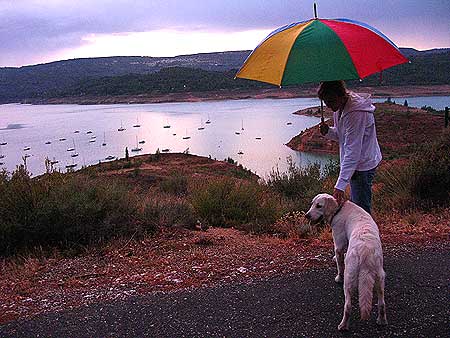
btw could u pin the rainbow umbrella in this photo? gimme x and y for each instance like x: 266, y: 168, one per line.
x: 320, y: 50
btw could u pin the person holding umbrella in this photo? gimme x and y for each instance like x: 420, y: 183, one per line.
x: 327, y: 51
x: 354, y: 129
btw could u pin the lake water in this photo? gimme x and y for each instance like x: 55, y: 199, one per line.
x: 271, y: 120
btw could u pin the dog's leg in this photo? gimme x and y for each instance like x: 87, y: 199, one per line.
x: 340, y: 265
x: 379, y: 286
x: 348, y: 286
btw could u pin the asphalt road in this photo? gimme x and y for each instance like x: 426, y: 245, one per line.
x: 301, y: 305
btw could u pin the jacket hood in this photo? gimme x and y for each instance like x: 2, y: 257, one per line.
x: 359, y: 101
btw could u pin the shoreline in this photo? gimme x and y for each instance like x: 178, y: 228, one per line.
x: 271, y: 93
x: 418, y: 126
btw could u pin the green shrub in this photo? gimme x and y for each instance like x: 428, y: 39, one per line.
x: 431, y: 184
x: 160, y: 211
x: 61, y: 210
x: 423, y: 182
x: 301, y: 184
x: 175, y: 184
x: 395, y: 189
x: 226, y: 202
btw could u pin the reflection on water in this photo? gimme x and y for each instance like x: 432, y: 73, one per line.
x: 253, y: 132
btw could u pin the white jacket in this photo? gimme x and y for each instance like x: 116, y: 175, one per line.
x: 355, y: 131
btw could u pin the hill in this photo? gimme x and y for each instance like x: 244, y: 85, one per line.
x: 39, y: 80
x: 134, y: 75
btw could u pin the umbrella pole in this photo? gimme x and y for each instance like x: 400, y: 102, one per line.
x: 321, y: 111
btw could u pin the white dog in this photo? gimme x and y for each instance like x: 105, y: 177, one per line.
x: 355, y: 230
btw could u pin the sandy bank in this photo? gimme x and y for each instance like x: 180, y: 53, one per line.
x: 275, y: 93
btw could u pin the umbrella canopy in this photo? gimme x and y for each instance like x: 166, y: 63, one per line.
x: 320, y: 50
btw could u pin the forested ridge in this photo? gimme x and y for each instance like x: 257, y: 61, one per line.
x: 112, y: 76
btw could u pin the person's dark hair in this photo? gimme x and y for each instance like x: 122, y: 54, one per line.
x: 332, y: 88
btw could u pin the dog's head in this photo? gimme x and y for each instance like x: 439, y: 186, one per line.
x: 323, y: 207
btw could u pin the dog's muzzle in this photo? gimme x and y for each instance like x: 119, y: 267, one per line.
x: 314, y: 221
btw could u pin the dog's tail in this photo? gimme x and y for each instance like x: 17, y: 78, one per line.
x: 366, y: 282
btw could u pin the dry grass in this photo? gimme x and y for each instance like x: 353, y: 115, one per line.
x: 176, y: 259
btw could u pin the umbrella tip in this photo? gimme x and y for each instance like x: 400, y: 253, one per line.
x: 315, y: 10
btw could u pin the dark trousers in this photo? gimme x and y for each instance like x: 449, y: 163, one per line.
x: 361, y: 188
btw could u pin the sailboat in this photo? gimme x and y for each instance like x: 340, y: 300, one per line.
x: 74, y: 154
x: 137, y: 148
x: 167, y: 125
x: 109, y: 158
x: 76, y: 131
x: 48, y: 142
x: 121, y: 127
x: 71, y: 166
x: 186, y: 137
x: 240, y: 152
x: 89, y: 132
x: 137, y: 125
x: 242, y: 128
x: 26, y: 148
x: 3, y: 143
x: 72, y: 148
x: 62, y: 139
x: 55, y: 161
x: 1, y: 153
x: 201, y: 125
x: 141, y: 141
x: 208, y: 121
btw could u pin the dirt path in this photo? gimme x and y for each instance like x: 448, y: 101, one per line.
x: 307, y: 304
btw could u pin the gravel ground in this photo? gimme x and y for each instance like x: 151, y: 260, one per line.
x: 308, y: 304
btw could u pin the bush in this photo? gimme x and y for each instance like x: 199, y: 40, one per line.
x: 226, y: 202
x: 61, y: 210
x: 168, y: 211
x: 301, y: 184
x: 423, y: 182
x: 431, y: 184
x: 175, y: 184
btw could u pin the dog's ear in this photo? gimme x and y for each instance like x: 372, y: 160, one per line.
x: 329, y: 208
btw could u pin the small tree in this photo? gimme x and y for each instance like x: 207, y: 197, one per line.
x: 406, y: 103
x: 157, y: 154
x: 127, y: 155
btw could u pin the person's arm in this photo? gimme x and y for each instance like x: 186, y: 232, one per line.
x: 329, y: 132
x: 354, y: 126
x: 332, y: 134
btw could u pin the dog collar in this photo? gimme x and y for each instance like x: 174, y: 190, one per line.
x: 337, y: 211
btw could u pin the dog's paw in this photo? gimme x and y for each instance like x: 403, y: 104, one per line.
x: 338, y: 279
x: 343, y: 326
x: 382, y: 321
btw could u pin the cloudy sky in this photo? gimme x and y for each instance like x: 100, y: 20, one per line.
x: 38, y: 31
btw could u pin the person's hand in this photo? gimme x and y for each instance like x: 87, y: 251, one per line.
x: 339, y: 196
x: 323, y: 127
